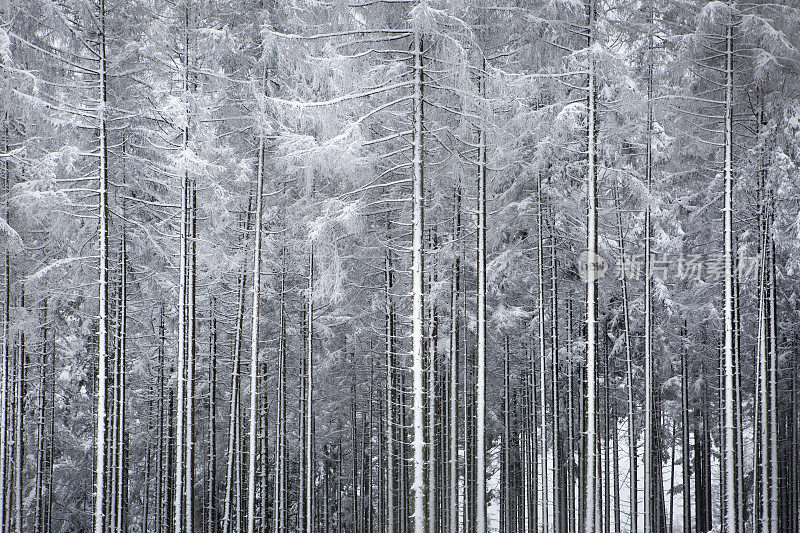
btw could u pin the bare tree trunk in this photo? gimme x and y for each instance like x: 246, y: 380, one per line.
x: 455, y: 326
x: 687, y: 501
x: 542, y: 356
x: 119, y: 512
x: 102, y: 335
x: 234, y: 421
x: 632, y: 455
x: 590, y: 504
x: 309, y: 397
x: 418, y: 312
x: 391, y: 399
x: 211, y: 517
x: 729, y: 370
x: 5, y: 384
x: 480, y: 390
x: 256, y: 318
x: 281, y: 484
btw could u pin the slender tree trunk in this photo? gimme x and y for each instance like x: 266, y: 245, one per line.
x: 281, y: 485
x: 5, y: 384
x: 310, y: 469
x: 418, y: 312
x: 211, y: 516
x: 391, y: 399
x: 255, y: 322
x: 480, y: 391
x: 649, y: 474
x: 685, y: 464
x: 729, y: 370
x: 454, y: 350
x: 555, y: 412
x: 542, y: 357
x: 163, y: 447
x: 590, y: 504
x: 632, y: 455
x: 234, y: 421
x: 181, y: 429
x: 773, y: 384
x: 505, y: 505
x: 119, y: 512
x: 432, y: 399
x: 102, y: 335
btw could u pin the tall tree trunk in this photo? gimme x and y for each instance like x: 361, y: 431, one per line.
x: 773, y: 381
x: 590, y: 504
x: 309, y: 397
x: 211, y: 516
x: 182, y: 415
x: 163, y: 442
x: 281, y: 485
x: 255, y: 322
x: 729, y: 370
x: 432, y: 398
x: 119, y: 512
x: 455, y: 326
x: 687, y: 502
x: 542, y: 357
x: 418, y: 312
x: 649, y: 475
x: 480, y: 390
x: 632, y: 455
x: 558, y: 519
x: 5, y: 384
x: 391, y: 398
x: 234, y: 422
x: 505, y: 505
x: 102, y: 334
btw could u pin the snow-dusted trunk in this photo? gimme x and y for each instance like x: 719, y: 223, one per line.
x: 542, y: 362
x: 506, y: 509
x: 102, y: 333
x: 772, y: 380
x: 391, y: 400
x: 280, y: 493
x: 418, y: 312
x: 308, y: 482
x: 737, y: 352
x: 255, y: 322
x: 40, y: 420
x: 182, y: 438
x: 687, y: 502
x: 632, y: 455
x: 5, y: 363
x: 432, y: 399
x: 728, y: 356
x: 180, y: 427
x: 19, y: 425
x: 162, y: 441
x: 650, y: 477
x: 191, y: 353
x: 762, y: 389
x: 558, y: 512
x: 119, y: 477
x: 589, y: 505
x: 234, y: 421
x: 573, y: 519
x: 480, y: 388
x: 454, y: 348
x: 211, y: 511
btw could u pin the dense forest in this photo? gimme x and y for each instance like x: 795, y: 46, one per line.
x: 400, y: 266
